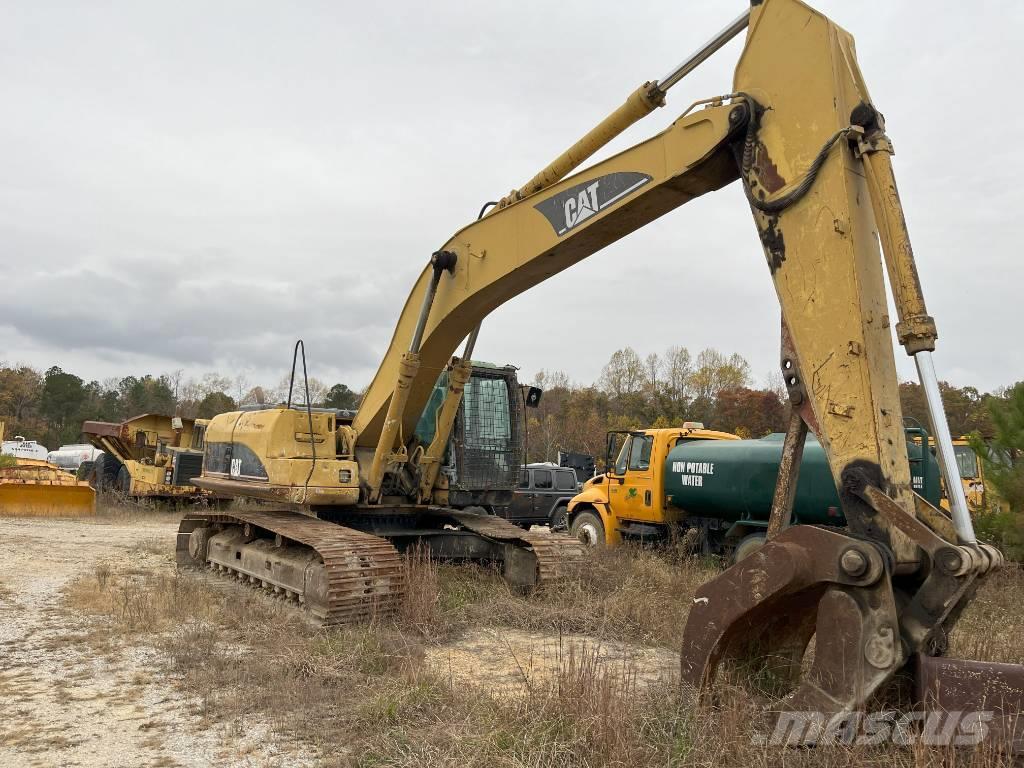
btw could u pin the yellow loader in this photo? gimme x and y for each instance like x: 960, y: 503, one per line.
x: 35, y: 488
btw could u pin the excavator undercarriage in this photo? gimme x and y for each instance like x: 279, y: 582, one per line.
x: 342, y: 572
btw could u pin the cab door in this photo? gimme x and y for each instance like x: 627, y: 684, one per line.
x: 521, y: 507
x: 632, y: 490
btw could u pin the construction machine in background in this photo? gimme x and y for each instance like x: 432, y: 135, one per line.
x: 150, y: 456
x: 30, y: 486
x: 799, y: 131
x: 981, y: 497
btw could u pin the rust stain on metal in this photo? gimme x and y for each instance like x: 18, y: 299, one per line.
x: 767, y: 172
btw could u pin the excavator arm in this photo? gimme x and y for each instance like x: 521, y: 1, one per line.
x: 800, y: 129
x: 801, y: 134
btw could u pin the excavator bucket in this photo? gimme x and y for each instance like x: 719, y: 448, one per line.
x: 42, y: 490
x: 869, y: 628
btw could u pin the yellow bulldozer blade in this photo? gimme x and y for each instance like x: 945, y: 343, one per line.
x: 44, y: 491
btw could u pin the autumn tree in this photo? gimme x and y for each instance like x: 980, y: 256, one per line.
x: 624, y: 374
x: 19, y: 399
x: 146, y: 394
x: 749, y: 412
x: 966, y: 408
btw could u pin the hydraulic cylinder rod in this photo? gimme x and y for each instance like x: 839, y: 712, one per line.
x: 916, y: 328
x: 944, y: 443
x: 442, y: 261
x: 705, y: 52
x: 640, y: 103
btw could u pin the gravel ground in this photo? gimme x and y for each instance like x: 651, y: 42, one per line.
x: 62, y: 703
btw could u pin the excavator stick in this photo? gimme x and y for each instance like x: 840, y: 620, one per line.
x: 44, y: 491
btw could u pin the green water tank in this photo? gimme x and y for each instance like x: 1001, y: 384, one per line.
x: 735, y: 479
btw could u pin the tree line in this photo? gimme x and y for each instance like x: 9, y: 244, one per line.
x: 632, y: 392
x: 718, y: 390
x: 50, y: 406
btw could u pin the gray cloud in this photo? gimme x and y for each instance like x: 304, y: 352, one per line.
x: 203, y: 183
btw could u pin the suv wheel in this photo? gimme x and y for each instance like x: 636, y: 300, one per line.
x: 588, y: 528
x: 560, y: 518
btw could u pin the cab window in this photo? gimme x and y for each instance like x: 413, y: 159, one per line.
x: 542, y: 479
x: 640, y: 452
x: 967, y: 461
x: 565, y: 481
x: 524, y: 479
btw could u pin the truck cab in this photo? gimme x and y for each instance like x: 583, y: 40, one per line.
x: 628, y: 499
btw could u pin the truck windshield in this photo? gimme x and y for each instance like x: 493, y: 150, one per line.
x: 966, y: 461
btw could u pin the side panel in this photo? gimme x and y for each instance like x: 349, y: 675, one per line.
x: 823, y: 251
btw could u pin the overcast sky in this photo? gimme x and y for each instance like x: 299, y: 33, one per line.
x: 193, y: 185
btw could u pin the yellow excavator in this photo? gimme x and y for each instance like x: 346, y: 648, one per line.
x: 799, y: 131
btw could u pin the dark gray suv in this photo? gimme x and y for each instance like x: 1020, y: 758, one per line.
x: 543, y: 495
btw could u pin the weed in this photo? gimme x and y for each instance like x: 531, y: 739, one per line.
x: 365, y: 696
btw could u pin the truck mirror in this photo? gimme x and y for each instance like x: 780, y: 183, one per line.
x: 532, y: 397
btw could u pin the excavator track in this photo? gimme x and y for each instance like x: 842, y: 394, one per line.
x: 557, y: 553
x: 341, y: 575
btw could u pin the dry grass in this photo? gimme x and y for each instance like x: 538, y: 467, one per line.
x: 629, y: 594
x: 113, y: 507
x: 992, y: 629
x: 365, y: 696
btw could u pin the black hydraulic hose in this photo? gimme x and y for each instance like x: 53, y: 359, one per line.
x: 779, y: 204
x: 309, y: 409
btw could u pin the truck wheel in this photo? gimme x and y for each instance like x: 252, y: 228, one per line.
x: 748, y: 545
x: 588, y: 528
x: 124, y: 480
x: 560, y: 518
x: 106, y: 470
